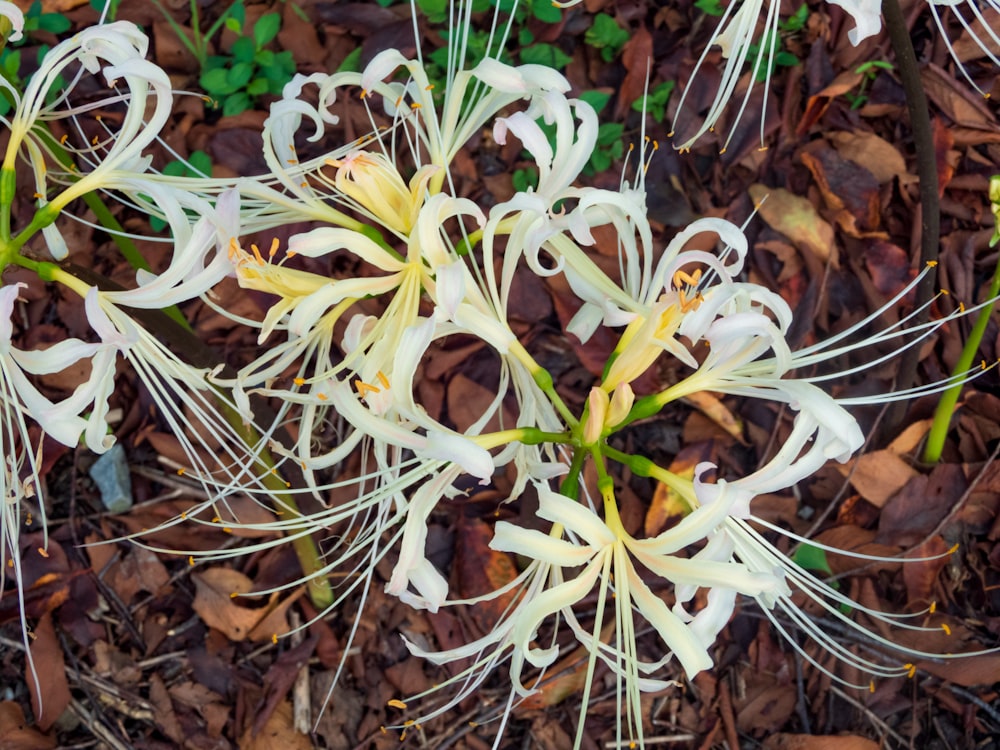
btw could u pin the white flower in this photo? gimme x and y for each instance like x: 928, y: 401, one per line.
x: 119, y: 48
x: 13, y: 14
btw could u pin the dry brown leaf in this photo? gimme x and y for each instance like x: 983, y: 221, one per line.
x: 217, y: 607
x: 16, y: 735
x: 637, y: 55
x: 910, y: 438
x: 814, y: 742
x: 876, y: 154
x: 48, y: 686
x: 714, y: 409
x: 958, y: 102
x: 278, y: 734
x: 798, y: 220
x: 877, y: 476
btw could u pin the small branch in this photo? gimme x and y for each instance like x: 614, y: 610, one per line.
x: 930, y: 209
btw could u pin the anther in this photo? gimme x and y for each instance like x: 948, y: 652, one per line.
x: 365, y: 388
x: 395, y: 703
x: 43, y: 552
x: 383, y: 380
x: 945, y: 628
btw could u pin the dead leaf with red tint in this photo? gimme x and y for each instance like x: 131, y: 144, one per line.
x: 564, y: 678
x: 16, y: 735
x: 819, y: 742
x: 481, y: 570
x: 797, y: 219
x: 280, y: 677
x: 921, y: 576
x: 218, y: 608
x: 278, y: 734
x: 944, y: 140
x: 165, y: 717
x: 820, y: 101
x: 667, y: 506
x: 713, y: 408
x: 925, y: 501
x: 876, y: 154
x: 47, y: 683
x: 959, y: 103
x: 878, y: 475
x: 637, y: 56
x: 889, y: 266
x: 849, y: 189
x: 139, y: 570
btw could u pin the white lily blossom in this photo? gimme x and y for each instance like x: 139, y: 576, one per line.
x: 13, y: 14
x: 117, y: 49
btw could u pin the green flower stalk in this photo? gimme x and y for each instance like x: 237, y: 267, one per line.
x: 946, y: 406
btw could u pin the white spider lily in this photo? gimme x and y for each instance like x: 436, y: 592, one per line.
x: 748, y: 25
x: 119, y: 49
x: 14, y: 15
x: 583, y: 552
x: 424, y: 133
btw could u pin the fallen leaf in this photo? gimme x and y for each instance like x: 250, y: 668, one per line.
x: 667, y: 504
x: 48, y: 685
x: 481, y: 570
x: 818, y: 742
x: 878, y: 475
x: 713, y: 408
x: 16, y: 735
x: 637, y: 56
x: 876, y: 154
x: 278, y: 734
x: 214, y: 603
x: 798, y: 220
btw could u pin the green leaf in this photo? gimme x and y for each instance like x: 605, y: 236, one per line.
x: 258, y: 87
x: 545, y: 54
x: 239, y: 76
x: 655, y: 102
x: 809, y: 557
x: 215, y: 82
x: 54, y: 23
x: 266, y: 29
x: 796, y: 21
x: 351, y: 63
x: 236, y: 103
x: 234, y: 26
x: 609, y: 133
x: 201, y: 164
x: 545, y: 11
x: 435, y: 10
x: 596, y: 99
x: 524, y: 179
x: 607, y: 36
x: 243, y: 49
x: 11, y: 62
x: 710, y: 7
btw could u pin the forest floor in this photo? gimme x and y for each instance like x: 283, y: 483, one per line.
x: 137, y: 649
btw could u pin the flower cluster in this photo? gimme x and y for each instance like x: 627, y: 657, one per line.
x: 342, y: 354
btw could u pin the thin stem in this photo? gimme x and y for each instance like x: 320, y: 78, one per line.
x: 930, y: 209
x: 197, y: 354
x: 946, y: 406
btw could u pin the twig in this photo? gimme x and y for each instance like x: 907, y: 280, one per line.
x: 930, y: 208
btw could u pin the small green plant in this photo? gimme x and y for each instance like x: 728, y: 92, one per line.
x: 525, y: 179
x: 766, y: 58
x: 610, y: 145
x: 710, y: 7
x: 606, y: 36
x: 655, y: 101
x: 250, y: 70
x: 199, y: 41
x: 869, y: 70
x: 545, y: 54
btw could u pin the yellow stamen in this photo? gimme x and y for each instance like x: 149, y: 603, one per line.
x: 364, y: 388
x: 945, y: 628
x: 65, y: 137
x: 383, y: 379
x: 43, y: 552
x: 396, y: 703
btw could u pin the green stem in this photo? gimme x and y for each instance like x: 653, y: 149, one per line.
x: 946, y: 406
x: 180, y: 336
